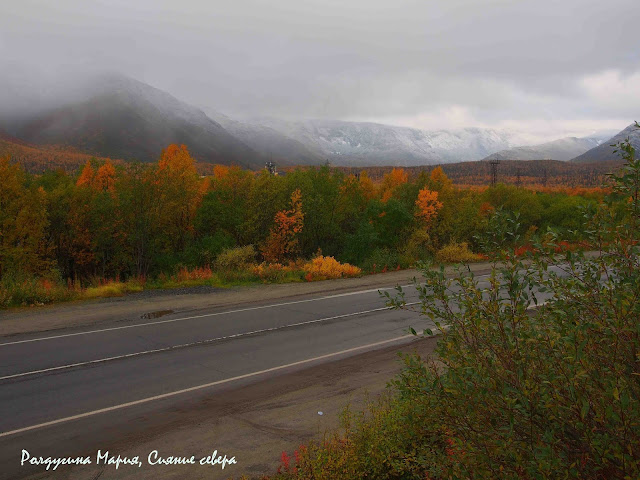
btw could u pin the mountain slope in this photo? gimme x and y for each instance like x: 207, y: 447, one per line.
x: 275, y: 145
x: 563, y: 149
x: 360, y: 143
x: 604, y: 152
x: 124, y: 118
x: 39, y: 158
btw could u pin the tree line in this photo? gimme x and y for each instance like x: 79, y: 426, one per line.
x: 130, y: 220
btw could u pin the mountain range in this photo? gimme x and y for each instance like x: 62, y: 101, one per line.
x: 373, y: 144
x: 119, y: 117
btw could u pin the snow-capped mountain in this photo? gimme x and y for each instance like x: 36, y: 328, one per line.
x: 361, y: 143
x: 563, y: 149
x: 274, y: 145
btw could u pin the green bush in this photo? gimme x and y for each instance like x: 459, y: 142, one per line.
x: 419, y: 246
x: 26, y: 291
x: 237, y: 258
x: 457, y: 253
x: 383, y: 259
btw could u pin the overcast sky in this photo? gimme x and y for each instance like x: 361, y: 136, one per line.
x: 550, y: 68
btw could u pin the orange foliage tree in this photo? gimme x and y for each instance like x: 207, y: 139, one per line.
x: 428, y: 205
x: 439, y: 181
x: 283, y: 238
x: 86, y: 176
x: 178, y: 194
x: 393, y: 180
x: 367, y: 186
x: 105, y: 179
x: 101, y: 180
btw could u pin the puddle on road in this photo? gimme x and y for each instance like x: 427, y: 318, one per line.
x: 157, y: 314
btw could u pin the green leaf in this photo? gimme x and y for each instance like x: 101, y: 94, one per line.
x: 585, y: 409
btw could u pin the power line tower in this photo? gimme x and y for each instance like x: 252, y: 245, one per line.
x: 271, y: 168
x: 494, y: 171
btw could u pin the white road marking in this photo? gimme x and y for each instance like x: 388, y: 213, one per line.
x: 192, y: 344
x: 173, y: 320
x: 181, y: 319
x: 198, y: 387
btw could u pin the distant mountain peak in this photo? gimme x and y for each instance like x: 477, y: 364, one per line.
x: 604, y: 151
x: 562, y: 149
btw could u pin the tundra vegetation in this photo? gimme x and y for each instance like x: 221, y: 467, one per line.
x: 114, y: 228
x: 514, y: 392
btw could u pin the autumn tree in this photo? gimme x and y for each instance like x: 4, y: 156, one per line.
x: 267, y: 196
x: 86, y: 176
x: 141, y: 218
x: 439, y: 181
x: 178, y: 195
x: 320, y: 188
x: 428, y: 205
x: 95, y: 221
x: 391, y: 181
x: 283, y: 239
x: 23, y: 224
x: 367, y: 186
x: 105, y: 178
x: 352, y: 202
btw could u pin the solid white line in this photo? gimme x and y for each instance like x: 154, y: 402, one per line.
x: 172, y: 320
x: 192, y: 344
x: 198, y: 387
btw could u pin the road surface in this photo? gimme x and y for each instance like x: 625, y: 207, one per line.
x: 108, y: 381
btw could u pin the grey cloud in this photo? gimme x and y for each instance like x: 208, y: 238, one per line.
x: 500, y: 60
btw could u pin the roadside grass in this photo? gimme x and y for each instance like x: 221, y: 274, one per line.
x: 32, y: 292
x: 235, y: 269
x: 26, y: 292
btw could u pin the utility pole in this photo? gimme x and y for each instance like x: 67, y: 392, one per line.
x: 271, y: 168
x: 518, y: 178
x: 494, y: 171
x: 545, y: 177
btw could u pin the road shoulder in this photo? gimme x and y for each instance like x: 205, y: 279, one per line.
x: 129, y: 309
x: 255, y: 423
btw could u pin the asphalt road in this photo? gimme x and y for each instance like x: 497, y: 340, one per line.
x: 56, y: 386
